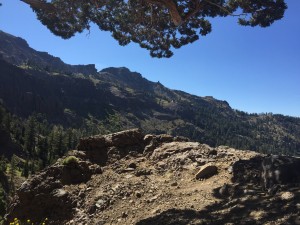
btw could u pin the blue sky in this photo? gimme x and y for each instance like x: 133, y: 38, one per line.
x: 254, y: 69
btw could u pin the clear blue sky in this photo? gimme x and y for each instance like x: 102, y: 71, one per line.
x: 254, y: 69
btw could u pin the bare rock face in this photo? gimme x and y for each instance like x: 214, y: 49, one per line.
x: 44, y: 195
x: 279, y: 170
x: 247, y: 170
x: 101, y: 149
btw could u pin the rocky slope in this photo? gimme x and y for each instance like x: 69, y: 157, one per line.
x: 131, y: 178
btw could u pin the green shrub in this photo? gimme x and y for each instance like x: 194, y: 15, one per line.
x: 70, y: 160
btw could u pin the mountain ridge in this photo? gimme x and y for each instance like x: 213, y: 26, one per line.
x: 17, y: 51
x: 72, y: 98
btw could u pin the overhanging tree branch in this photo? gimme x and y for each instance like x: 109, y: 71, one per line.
x: 157, y: 25
x: 172, y: 7
x: 39, y: 4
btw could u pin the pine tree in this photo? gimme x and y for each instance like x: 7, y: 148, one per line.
x: 3, y: 164
x: 114, y: 122
x: 59, y: 147
x: 43, y: 151
x: 30, y: 133
x: 25, y: 172
x: 69, y: 139
x: 7, y: 122
x: 12, y: 173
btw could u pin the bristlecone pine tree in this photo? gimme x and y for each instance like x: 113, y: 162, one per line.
x: 157, y: 25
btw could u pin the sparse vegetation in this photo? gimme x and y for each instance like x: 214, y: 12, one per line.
x: 70, y: 160
x: 17, y: 221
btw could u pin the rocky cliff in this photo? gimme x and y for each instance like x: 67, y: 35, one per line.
x: 132, y: 178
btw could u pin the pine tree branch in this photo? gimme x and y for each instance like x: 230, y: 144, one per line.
x: 172, y: 7
x: 39, y: 4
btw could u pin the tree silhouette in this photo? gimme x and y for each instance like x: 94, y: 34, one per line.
x: 157, y: 25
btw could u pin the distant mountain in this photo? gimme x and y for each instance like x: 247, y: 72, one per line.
x: 16, y: 51
x: 36, y: 82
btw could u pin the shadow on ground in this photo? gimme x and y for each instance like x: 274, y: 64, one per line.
x: 247, y: 209
x: 244, y: 202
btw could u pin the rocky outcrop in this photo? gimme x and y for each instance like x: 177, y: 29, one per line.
x: 131, y: 178
x: 107, y: 148
x: 46, y: 194
x: 279, y: 170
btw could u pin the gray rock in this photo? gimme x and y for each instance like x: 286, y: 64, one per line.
x: 100, y: 203
x: 287, y: 196
x: 207, y: 171
x: 100, y: 149
x: 59, y: 193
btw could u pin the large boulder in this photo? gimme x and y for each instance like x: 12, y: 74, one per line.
x: 104, y: 148
x: 44, y: 195
x: 207, y: 171
x: 280, y: 170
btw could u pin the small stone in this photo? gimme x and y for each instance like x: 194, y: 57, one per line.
x: 213, y: 152
x: 155, y: 211
x: 287, y: 195
x: 174, y: 184
x: 132, y: 165
x: 124, y: 215
x: 82, y: 186
x: 138, y: 194
x: 59, y: 193
x: 128, y: 170
x: 92, y: 209
x: 143, y: 172
x: 128, y: 176
x: 152, y: 199
x: 100, y: 203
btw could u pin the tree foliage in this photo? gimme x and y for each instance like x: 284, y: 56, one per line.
x: 157, y: 25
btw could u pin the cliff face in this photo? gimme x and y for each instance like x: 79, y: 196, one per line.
x: 131, y: 178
